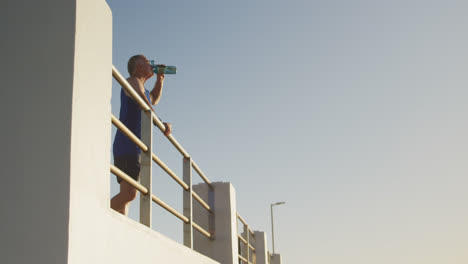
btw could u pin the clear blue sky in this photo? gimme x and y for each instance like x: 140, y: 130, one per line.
x: 353, y: 112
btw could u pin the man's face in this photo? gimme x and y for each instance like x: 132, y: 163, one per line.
x: 146, y: 67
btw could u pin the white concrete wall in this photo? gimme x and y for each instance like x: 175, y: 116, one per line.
x: 36, y: 104
x: 56, y: 139
x: 97, y: 233
x: 261, y: 247
x: 276, y: 259
x: 224, y: 247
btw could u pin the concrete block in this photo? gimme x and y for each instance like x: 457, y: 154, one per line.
x: 224, y: 247
x: 261, y: 250
x: 276, y: 259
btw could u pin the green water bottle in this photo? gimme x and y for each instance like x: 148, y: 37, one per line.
x: 158, y: 68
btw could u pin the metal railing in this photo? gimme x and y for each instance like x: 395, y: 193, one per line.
x: 247, y: 253
x: 149, y: 119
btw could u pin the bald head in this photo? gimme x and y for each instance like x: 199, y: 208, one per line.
x: 132, y: 63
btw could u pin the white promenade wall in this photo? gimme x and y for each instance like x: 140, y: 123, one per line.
x: 57, y: 140
x: 276, y: 259
x: 36, y: 104
x: 224, y: 248
x: 97, y: 233
x: 261, y: 247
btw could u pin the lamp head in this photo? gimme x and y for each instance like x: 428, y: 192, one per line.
x: 278, y: 203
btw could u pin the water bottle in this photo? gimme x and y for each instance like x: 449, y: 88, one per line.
x: 164, y: 69
x: 158, y: 68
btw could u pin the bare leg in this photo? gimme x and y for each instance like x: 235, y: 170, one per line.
x: 122, y: 200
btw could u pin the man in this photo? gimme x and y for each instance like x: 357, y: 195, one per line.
x: 126, y: 153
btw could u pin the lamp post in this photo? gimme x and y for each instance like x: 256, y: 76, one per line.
x: 272, y: 226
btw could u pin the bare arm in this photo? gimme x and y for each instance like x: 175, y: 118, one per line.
x: 140, y: 89
x: 155, y: 94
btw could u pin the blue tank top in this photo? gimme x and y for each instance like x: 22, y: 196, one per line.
x: 130, y: 116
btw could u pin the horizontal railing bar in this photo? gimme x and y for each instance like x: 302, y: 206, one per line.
x: 169, y: 208
x: 128, y: 133
x: 245, y: 242
x: 159, y: 123
x: 202, y: 175
x: 200, y: 200
x: 120, y: 79
x: 176, y: 144
x: 128, y: 179
x: 242, y: 239
x: 171, y: 138
x: 245, y: 223
x: 201, y: 230
x: 243, y: 259
x: 241, y: 219
x: 169, y: 171
x: 251, y: 247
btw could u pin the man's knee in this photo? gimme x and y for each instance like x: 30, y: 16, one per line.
x: 129, y: 192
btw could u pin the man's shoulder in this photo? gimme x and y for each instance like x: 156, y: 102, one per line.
x: 134, y: 84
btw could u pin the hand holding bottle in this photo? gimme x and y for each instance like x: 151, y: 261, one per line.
x: 162, y: 68
x: 160, y: 72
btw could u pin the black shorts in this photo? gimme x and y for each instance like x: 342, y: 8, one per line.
x: 130, y: 164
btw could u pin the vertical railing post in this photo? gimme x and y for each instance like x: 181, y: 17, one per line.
x: 145, y: 171
x: 188, y: 205
x: 247, y: 251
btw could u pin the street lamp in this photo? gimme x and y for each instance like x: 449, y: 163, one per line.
x: 272, y: 227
